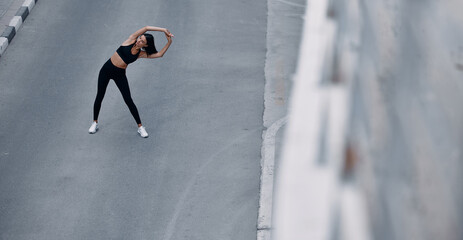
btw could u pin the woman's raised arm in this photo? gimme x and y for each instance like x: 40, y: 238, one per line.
x: 164, y: 49
x: 150, y: 28
x: 142, y: 30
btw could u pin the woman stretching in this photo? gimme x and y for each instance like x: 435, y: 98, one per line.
x: 138, y: 45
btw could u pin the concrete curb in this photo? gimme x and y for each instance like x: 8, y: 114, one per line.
x: 280, y: 62
x: 15, y: 23
x: 264, y: 220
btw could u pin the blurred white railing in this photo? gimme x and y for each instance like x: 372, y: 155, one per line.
x: 313, y: 200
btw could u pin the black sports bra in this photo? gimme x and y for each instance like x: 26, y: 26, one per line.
x: 126, y: 54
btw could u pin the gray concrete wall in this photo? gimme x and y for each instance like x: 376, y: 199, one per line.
x: 406, y: 120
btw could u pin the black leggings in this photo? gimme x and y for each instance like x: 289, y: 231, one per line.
x: 108, y: 72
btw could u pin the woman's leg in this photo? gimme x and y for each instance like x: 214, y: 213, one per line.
x: 103, y: 81
x: 123, y: 85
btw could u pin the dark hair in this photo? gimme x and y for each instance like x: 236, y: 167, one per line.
x: 150, y: 49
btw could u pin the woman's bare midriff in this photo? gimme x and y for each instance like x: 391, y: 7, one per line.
x: 117, y: 61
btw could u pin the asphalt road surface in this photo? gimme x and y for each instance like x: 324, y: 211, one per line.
x: 195, y: 177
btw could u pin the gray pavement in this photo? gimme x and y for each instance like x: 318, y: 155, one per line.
x: 4, y: 6
x: 195, y: 177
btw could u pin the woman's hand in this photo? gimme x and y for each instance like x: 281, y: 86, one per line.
x: 168, y: 34
x: 169, y: 39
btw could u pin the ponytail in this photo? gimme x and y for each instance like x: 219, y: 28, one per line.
x: 151, y: 48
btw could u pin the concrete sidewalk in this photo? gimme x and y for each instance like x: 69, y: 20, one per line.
x: 13, y: 14
x: 8, y: 9
x: 284, y: 29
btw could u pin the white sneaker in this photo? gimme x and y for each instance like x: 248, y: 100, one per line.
x: 142, y: 132
x: 93, y: 128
